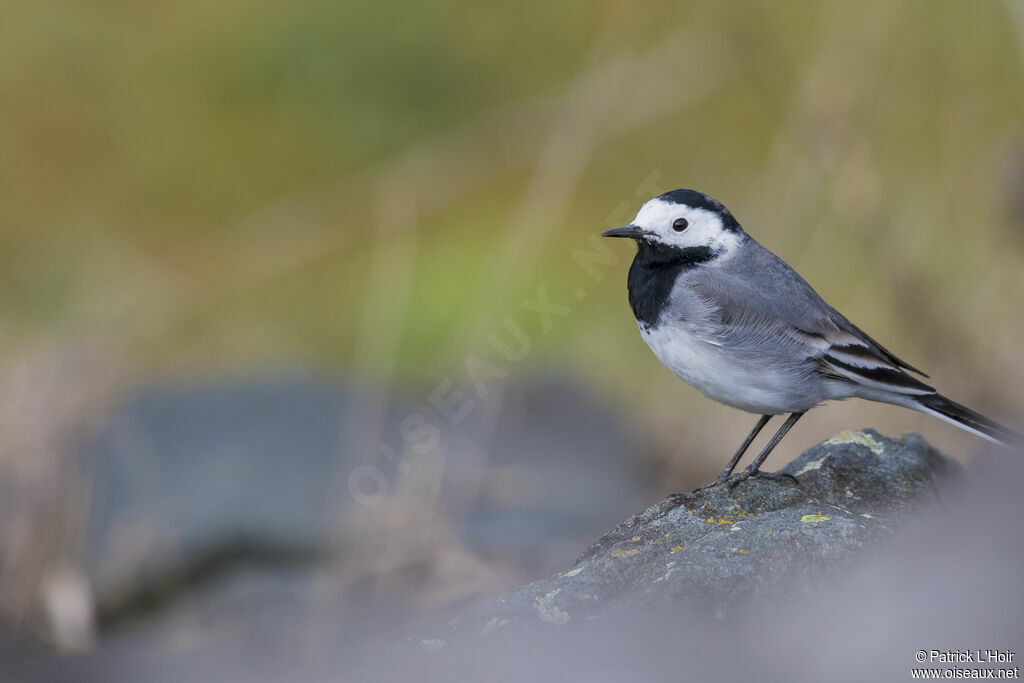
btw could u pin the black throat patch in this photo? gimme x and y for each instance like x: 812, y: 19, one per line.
x: 653, y: 274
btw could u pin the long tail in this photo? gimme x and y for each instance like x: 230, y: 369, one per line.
x: 965, y: 418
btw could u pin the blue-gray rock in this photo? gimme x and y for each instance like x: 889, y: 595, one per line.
x: 721, y: 547
x: 194, y: 485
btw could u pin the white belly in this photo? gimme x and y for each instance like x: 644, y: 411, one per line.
x: 754, y: 387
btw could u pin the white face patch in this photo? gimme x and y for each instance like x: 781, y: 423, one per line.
x: 705, y: 228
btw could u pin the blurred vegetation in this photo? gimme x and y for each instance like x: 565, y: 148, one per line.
x: 371, y: 188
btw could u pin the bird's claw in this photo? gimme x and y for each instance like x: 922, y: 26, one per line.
x: 711, y: 484
x: 735, y: 479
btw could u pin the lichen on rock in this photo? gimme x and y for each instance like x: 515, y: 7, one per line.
x: 760, y: 539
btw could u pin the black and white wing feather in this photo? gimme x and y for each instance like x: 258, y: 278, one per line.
x: 853, y: 356
x: 870, y: 366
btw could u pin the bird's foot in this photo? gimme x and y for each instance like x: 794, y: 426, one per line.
x: 721, y: 479
x: 735, y: 479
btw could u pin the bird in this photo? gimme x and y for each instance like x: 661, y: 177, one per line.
x: 737, y: 323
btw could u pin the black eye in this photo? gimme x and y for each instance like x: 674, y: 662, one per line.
x: 680, y: 224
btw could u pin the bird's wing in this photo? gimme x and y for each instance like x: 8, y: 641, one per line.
x: 864, y: 340
x: 855, y: 357
x: 784, y: 318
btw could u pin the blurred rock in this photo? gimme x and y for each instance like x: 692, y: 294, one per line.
x: 945, y: 577
x: 198, y: 488
x: 722, y: 548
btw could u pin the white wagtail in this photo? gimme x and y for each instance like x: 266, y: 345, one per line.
x: 736, y: 322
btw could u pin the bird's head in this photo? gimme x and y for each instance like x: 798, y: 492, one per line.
x: 682, y: 220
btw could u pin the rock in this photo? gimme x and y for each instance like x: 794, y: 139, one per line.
x: 763, y: 539
x: 202, y: 493
x: 932, y: 577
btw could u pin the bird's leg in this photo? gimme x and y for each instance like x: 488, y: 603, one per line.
x: 753, y: 470
x: 739, y: 454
